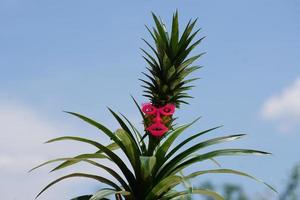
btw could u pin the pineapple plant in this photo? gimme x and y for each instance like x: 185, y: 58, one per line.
x: 156, y: 162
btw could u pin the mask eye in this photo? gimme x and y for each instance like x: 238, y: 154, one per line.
x: 168, y: 109
x: 149, y: 109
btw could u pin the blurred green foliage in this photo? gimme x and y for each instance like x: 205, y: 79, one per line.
x: 291, y: 191
x: 292, y: 187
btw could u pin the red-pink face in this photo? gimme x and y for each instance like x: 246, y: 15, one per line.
x: 156, y: 115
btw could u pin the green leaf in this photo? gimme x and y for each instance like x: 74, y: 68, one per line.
x: 91, y: 176
x: 111, y: 172
x: 154, y: 63
x: 105, y: 130
x: 228, y: 171
x: 118, y: 161
x: 162, y: 150
x: 205, y: 192
x: 160, y: 28
x: 112, y: 146
x: 138, y: 135
x: 183, y: 47
x: 163, y: 186
x: 106, y: 192
x: 148, y: 83
x: 131, y: 151
x: 85, y: 197
x: 126, y: 129
x: 138, y: 107
x: 153, y: 37
x: 215, y: 162
x: 84, y: 158
x: 173, y: 180
x: 189, y: 61
x: 171, y: 71
x: 187, y: 185
x: 175, y: 33
x: 187, y: 51
x: 217, y: 153
x: 79, y: 139
x: 147, y: 164
x: 186, y: 33
x: 189, y: 139
x: 154, y: 82
x: 188, y: 71
x: 183, y: 155
x: 71, y: 161
x: 152, y: 48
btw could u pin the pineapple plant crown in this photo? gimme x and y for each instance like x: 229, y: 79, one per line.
x: 156, y: 163
x: 169, y: 63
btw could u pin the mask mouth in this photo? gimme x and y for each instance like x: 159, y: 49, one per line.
x: 157, y: 129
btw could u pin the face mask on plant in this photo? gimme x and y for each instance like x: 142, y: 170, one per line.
x: 158, y: 119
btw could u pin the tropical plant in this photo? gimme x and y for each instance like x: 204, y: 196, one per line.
x: 156, y: 162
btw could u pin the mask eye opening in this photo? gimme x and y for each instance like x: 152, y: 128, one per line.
x: 168, y: 109
x: 148, y: 109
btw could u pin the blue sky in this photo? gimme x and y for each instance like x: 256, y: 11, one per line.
x: 84, y: 55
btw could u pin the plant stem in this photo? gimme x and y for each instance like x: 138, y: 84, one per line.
x: 152, y: 144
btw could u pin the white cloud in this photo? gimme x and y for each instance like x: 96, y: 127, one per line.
x: 22, y: 133
x: 284, y: 107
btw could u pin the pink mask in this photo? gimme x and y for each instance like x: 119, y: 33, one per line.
x: 157, y: 127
